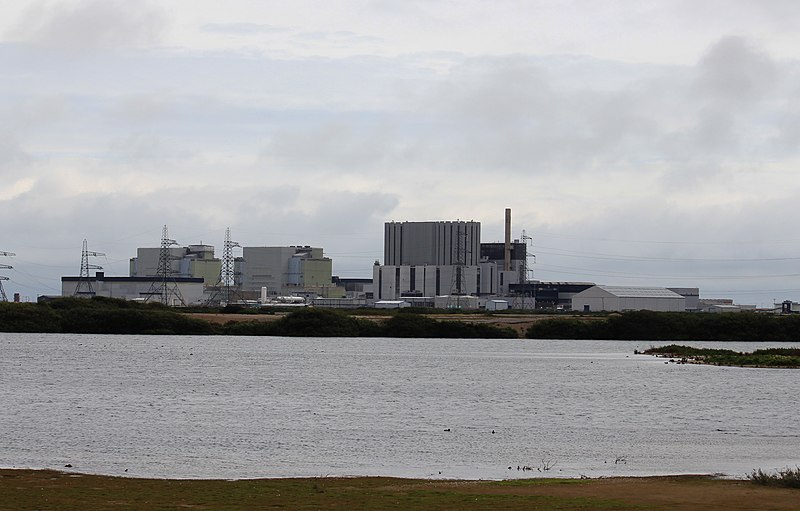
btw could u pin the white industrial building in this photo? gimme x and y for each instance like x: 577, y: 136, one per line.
x: 425, y: 260
x: 137, y: 288
x: 393, y: 282
x: 628, y: 298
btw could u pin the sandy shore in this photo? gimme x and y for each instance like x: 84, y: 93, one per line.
x: 45, y: 489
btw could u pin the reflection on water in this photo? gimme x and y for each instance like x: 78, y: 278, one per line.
x: 237, y: 407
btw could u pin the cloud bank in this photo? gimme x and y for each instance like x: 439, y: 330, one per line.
x: 623, y: 170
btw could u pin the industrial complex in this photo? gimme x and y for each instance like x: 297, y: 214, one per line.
x: 440, y: 264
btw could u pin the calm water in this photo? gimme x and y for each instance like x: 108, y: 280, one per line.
x: 240, y: 407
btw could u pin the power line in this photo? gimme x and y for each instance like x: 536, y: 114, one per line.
x: 618, y: 257
x: 669, y: 242
x: 616, y: 274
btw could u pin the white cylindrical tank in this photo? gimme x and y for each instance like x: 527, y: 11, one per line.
x: 263, y: 295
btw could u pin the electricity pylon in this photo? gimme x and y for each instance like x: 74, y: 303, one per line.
x: 84, y: 287
x: 457, y: 282
x: 3, y: 297
x: 525, y: 272
x: 165, y: 287
x: 226, y: 287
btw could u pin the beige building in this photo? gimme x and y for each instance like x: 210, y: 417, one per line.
x: 194, y: 261
x: 287, y: 271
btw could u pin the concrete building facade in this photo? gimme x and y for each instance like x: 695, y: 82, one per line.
x: 424, y: 260
x: 394, y: 282
x: 432, y: 243
x: 293, y: 270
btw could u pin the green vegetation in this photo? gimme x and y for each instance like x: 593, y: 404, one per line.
x: 671, y: 326
x: 772, y: 357
x: 786, y: 478
x: 98, y: 316
x: 111, y: 316
x: 331, y: 323
x: 415, y: 325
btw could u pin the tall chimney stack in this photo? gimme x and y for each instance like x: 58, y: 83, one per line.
x: 507, y: 251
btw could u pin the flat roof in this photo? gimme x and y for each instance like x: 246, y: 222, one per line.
x: 640, y: 292
x: 134, y: 279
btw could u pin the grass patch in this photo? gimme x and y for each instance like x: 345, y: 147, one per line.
x: 28, y: 490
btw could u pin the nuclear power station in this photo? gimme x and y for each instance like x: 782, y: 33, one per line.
x: 440, y: 264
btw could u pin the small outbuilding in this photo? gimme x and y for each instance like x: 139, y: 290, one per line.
x: 496, y: 305
x: 391, y: 304
x: 626, y: 298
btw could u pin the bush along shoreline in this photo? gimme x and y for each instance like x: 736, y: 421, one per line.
x: 671, y: 326
x: 112, y: 316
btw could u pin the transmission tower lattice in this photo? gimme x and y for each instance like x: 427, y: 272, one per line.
x: 457, y: 282
x: 165, y: 287
x: 3, y: 297
x: 525, y: 272
x: 84, y: 287
x: 226, y: 287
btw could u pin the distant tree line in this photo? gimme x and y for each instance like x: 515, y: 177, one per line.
x: 100, y: 315
x: 671, y: 326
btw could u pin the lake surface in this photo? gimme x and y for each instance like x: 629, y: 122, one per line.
x: 244, y: 407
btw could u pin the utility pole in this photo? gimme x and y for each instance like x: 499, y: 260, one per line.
x: 84, y: 287
x: 3, y: 297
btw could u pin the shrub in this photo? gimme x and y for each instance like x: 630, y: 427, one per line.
x: 27, y: 317
x: 313, y: 322
x: 786, y: 478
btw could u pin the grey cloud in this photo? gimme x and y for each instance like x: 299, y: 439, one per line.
x: 144, y: 108
x: 715, y: 240
x: 736, y: 71
x: 525, y: 115
x: 242, y: 28
x: 356, y: 145
x: 350, y: 213
x: 34, y: 112
x: 48, y: 228
x: 787, y: 138
x: 507, y: 114
x: 337, y: 37
x: 144, y: 147
x: 90, y: 24
x: 13, y: 159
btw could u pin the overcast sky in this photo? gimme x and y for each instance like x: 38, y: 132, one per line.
x: 638, y: 142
